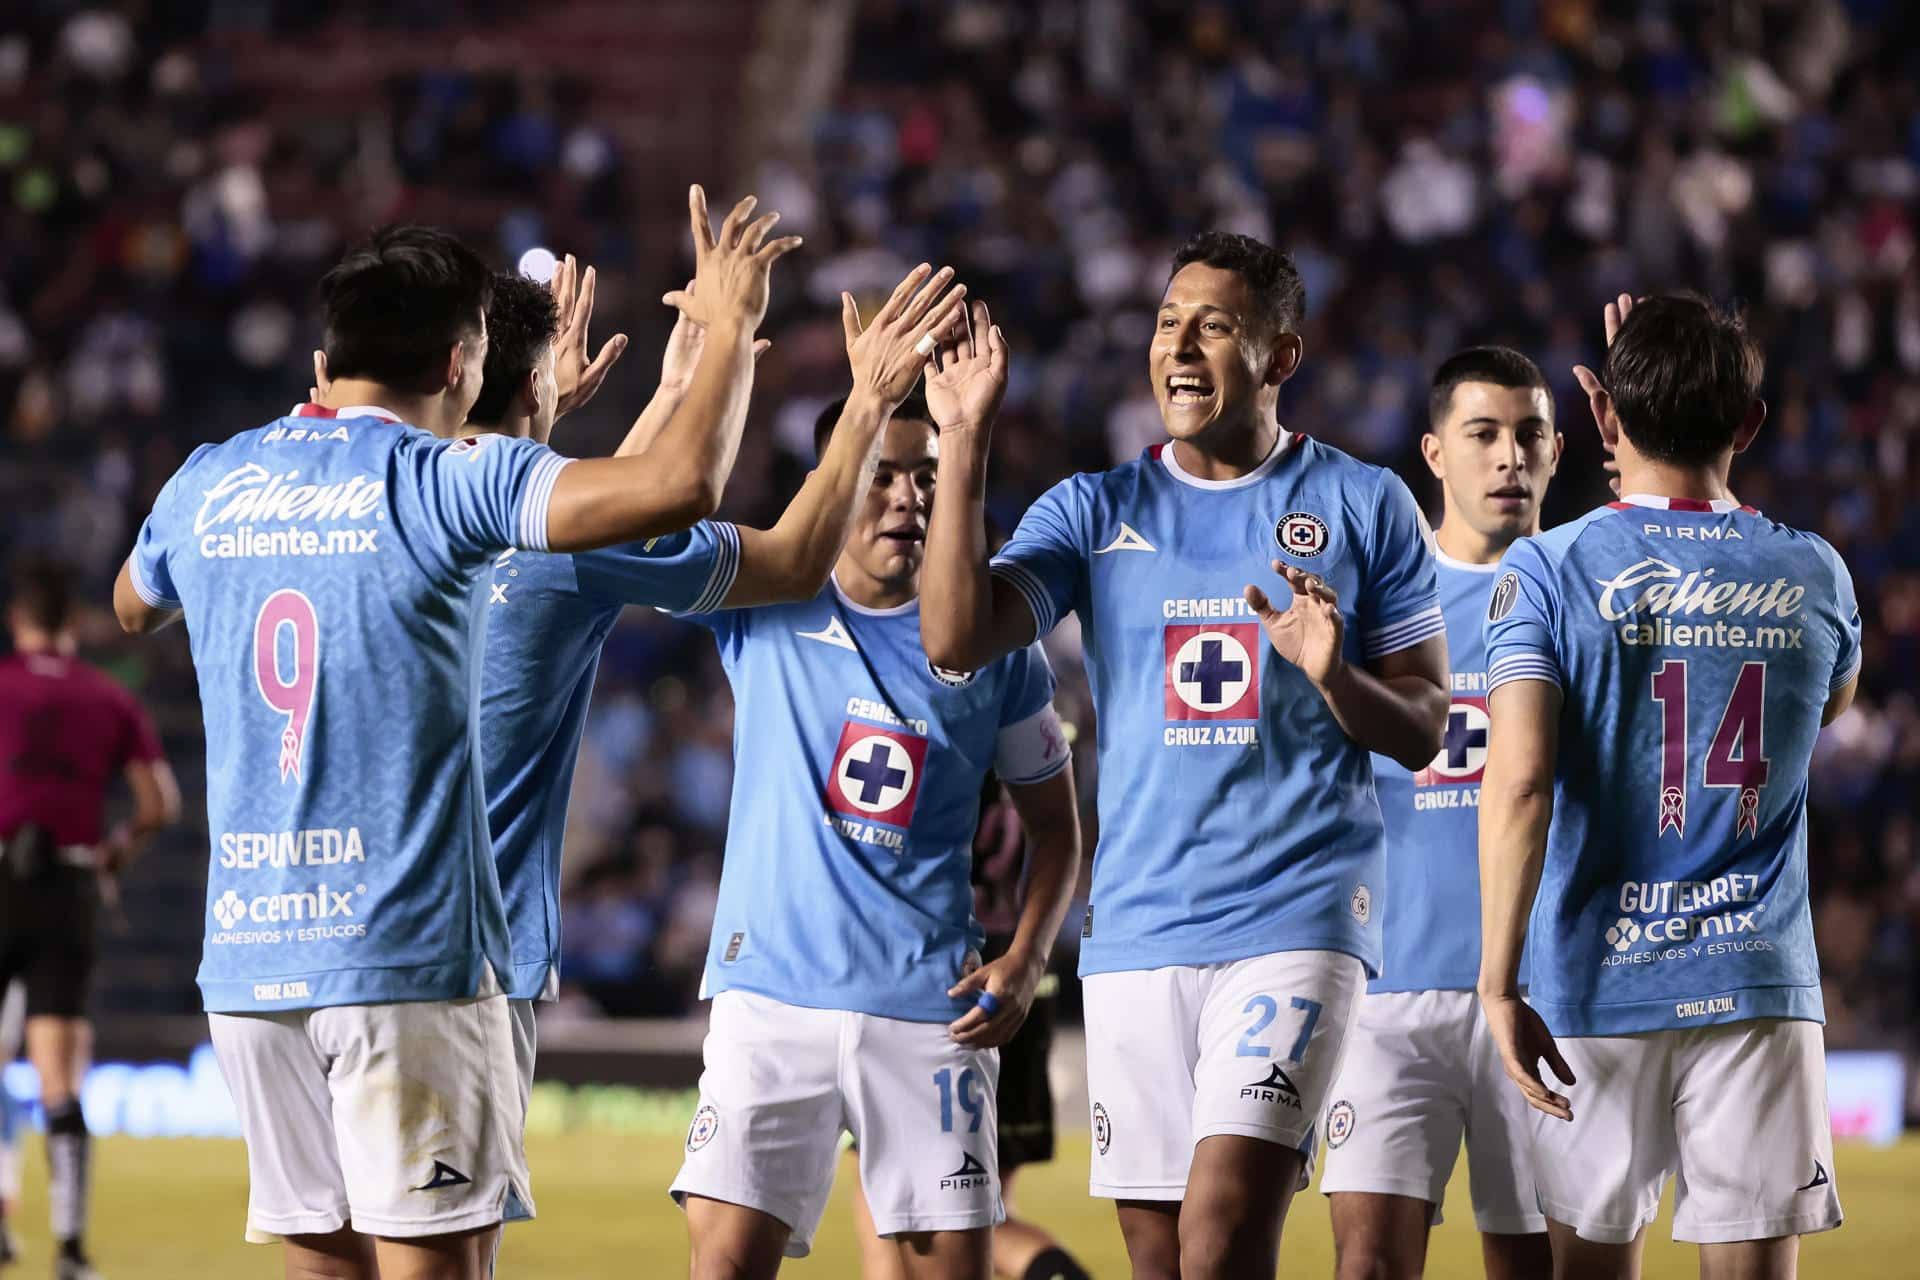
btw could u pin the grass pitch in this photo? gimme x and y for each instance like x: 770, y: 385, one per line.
x: 173, y: 1209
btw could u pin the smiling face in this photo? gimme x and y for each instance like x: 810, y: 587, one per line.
x: 1495, y: 450
x: 889, y: 535
x: 1212, y: 369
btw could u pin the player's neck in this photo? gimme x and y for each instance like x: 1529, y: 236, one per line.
x: 509, y: 426
x: 1227, y: 452
x: 1706, y: 483
x: 1460, y: 541
x: 408, y: 406
x: 35, y: 640
x: 869, y: 592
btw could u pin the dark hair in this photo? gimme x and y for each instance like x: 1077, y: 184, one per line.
x: 1496, y: 366
x: 42, y: 590
x: 1683, y: 375
x: 1278, y: 292
x: 913, y: 409
x: 522, y: 320
x: 395, y: 305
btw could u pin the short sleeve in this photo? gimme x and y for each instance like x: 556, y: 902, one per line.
x: 686, y: 572
x: 1046, y: 555
x: 147, y: 568
x: 1846, y: 664
x: 1521, y: 616
x: 1031, y: 745
x: 1399, y: 604
x: 491, y: 491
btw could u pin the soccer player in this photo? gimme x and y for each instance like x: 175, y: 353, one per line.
x: 331, y: 566
x: 847, y: 986
x: 1023, y: 1099
x: 1420, y: 1071
x: 1231, y: 923
x: 549, y: 615
x: 1658, y: 671
x: 66, y: 733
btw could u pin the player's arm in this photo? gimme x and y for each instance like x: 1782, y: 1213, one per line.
x: 791, y: 561
x: 1396, y: 704
x: 678, y: 482
x: 1839, y: 700
x: 1516, y: 809
x: 968, y: 615
x: 678, y: 363
x: 156, y: 804
x: 137, y: 617
x: 1050, y: 812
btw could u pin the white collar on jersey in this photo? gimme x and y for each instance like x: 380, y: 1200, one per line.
x: 311, y: 410
x: 847, y: 600
x: 1281, y: 448
x: 1466, y: 565
x: 1678, y: 504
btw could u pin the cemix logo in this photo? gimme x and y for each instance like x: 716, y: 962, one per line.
x: 321, y: 903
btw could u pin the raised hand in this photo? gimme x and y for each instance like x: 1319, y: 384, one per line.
x: 887, y: 355
x: 1309, y: 632
x: 1012, y: 980
x: 1615, y: 315
x: 969, y: 375
x: 731, y: 269
x: 1522, y: 1038
x: 577, y: 377
x: 684, y: 345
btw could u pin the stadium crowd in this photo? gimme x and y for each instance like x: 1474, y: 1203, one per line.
x: 1444, y: 173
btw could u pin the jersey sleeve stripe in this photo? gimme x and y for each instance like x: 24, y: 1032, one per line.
x: 1523, y: 666
x: 1029, y: 586
x: 726, y: 567
x: 534, y: 500
x: 144, y: 590
x: 1052, y: 770
x: 1405, y: 633
x: 1838, y: 682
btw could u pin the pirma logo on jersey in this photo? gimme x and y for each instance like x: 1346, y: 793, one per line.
x: 1301, y: 533
x: 875, y: 779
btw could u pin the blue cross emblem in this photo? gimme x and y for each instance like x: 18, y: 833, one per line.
x: 874, y: 774
x: 1460, y: 740
x: 1212, y: 673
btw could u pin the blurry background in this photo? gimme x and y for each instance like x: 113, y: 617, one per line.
x: 174, y: 177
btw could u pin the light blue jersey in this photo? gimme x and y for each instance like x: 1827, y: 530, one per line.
x: 858, y: 767
x: 332, y: 570
x: 1430, y: 912
x: 1236, y: 817
x: 548, y: 616
x: 1696, y: 646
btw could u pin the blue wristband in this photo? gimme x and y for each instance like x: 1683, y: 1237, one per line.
x: 989, y: 1003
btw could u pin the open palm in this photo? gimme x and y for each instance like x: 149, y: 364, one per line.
x: 968, y: 378
x: 1309, y: 632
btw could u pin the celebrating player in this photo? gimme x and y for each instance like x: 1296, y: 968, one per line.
x: 549, y: 615
x: 66, y: 732
x: 1658, y: 671
x: 1231, y: 924
x: 844, y: 967
x: 1420, y: 1072
x: 331, y: 569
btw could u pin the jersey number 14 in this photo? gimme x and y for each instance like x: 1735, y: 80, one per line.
x: 1736, y: 758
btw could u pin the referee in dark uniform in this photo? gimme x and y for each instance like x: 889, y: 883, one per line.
x: 66, y: 733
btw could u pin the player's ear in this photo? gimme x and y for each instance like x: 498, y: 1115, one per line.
x: 1750, y: 425
x: 1430, y: 450
x: 1287, y: 352
x: 1601, y: 405
x: 456, y: 364
x: 528, y: 393
x: 1559, y: 448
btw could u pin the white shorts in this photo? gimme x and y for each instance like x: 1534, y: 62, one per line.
x: 401, y: 1119
x: 782, y: 1081
x: 1187, y: 1052
x: 526, y: 1040
x: 1421, y: 1073
x: 1738, y: 1111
